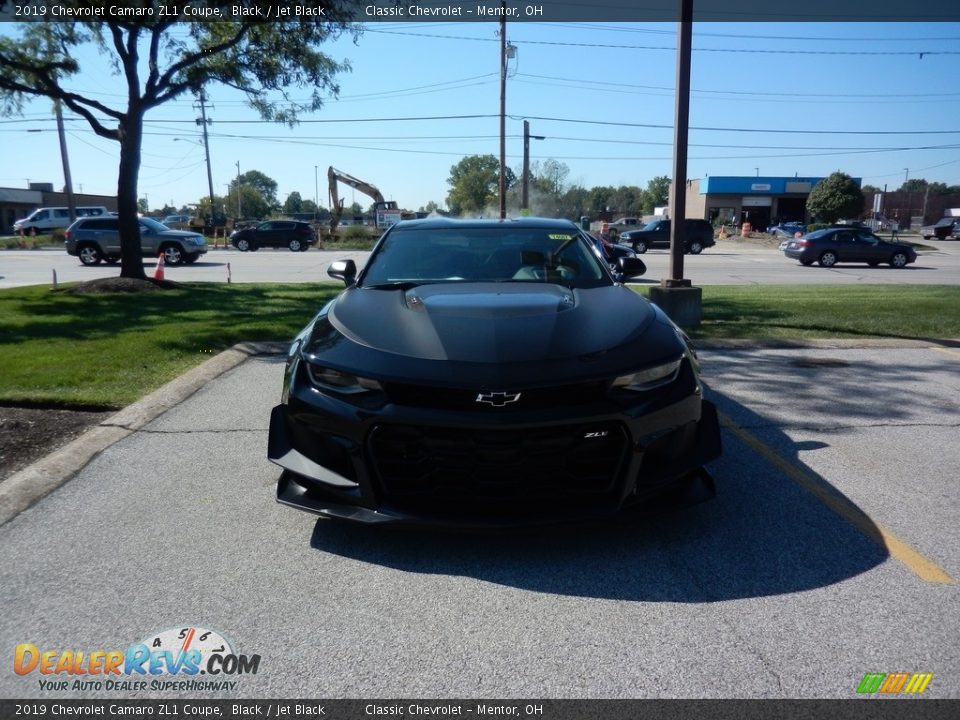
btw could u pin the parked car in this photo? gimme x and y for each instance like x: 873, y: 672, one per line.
x: 95, y: 239
x: 787, y: 229
x: 43, y: 220
x: 487, y: 373
x: 611, y: 252
x: 176, y: 222
x: 830, y: 246
x: 944, y: 228
x: 293, y: 234
x: 657, y: 234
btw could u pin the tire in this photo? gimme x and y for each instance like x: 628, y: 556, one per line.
x: 828, y: 259
x: 696, y: 247
x: 640, y: 247
x: 89, y: 254
x: 172, y: 254
x: 295, y: 245
x: 243, y: 245
x: 806, y: 263
x: 898, y: 260
x: 191, y: 259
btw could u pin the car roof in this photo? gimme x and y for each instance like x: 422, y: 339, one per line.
x: 521, y: 222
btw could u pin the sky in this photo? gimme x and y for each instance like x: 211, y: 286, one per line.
x: 878, y: 101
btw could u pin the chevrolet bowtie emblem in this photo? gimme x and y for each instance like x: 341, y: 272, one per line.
x: 498, y: 399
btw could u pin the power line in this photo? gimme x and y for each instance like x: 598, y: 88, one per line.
x: 594, y: 45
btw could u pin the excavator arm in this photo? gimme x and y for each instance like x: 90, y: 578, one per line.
x: 336, y: 204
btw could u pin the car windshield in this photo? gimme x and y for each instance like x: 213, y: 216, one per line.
x: 652, y: 225
x: 153, y: 224
x: 819, y: 234
x: 483, y: 254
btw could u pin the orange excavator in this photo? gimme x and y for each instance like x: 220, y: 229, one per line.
x: 387, y: 211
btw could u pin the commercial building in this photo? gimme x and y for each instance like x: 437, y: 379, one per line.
x: 16, y: 203
x: 760, y: 201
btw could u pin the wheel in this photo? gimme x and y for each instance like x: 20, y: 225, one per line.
x: 806, y: 263
x: 111, y: 259
x: 898, y: 260
x: 295, y: 245
x: 828, y: 259
x: 191, y: 259
x: 172, y: 254
x: 696, y: 247
x: 640, y: 247
x: 243, y: 245
x: 89, y: 254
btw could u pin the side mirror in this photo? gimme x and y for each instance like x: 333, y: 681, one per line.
x: 631, y: 267
x: 345, y: 270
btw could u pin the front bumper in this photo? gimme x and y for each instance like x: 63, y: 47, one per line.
x: 404, y: 464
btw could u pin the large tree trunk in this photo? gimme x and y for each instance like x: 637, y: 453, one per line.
x: 131, y: 132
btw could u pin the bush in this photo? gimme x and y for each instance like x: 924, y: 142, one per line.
x: 817, y: 226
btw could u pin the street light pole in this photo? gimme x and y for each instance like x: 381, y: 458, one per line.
x: 239, y: 210
x: 503, y: 109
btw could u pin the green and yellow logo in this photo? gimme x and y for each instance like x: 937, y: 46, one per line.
x: 894, y: 683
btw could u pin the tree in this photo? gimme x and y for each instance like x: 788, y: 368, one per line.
x: 474, y: 183
x: 914, y: 185
x: 263, y: 59
x: 293, y: 203
x: 835, y: 197
x: 656, y: 195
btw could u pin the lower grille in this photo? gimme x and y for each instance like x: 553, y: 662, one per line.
x: 476, y: 469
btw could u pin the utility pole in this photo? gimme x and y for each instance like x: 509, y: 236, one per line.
x: 239, y: 212
x: 525, y: 186
x: 202, y: 120
x: 503, y: 109
x: 675, y: 295
x: 67, y: 182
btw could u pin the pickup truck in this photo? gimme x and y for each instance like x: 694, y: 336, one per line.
x: 948, y: 227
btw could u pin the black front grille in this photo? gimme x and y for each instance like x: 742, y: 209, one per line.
x: 424, y: 466
x: 441, y: 398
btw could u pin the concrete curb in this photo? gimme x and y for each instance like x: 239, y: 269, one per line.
x: 24, y: 488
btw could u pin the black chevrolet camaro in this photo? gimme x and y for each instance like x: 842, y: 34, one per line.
x: 488, y: 373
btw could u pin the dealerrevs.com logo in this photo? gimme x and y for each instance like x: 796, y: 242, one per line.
x: 170, y: 660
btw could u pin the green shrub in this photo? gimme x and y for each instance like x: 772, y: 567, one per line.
x: 817, y: 226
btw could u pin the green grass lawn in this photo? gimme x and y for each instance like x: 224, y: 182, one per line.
x: 829, y: 311
x: 109, y: 350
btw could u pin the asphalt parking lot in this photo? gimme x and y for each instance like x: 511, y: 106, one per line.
x: 831, y: 550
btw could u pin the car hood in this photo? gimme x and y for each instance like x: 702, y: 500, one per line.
x: 178, y: 234
x: 490, y: 322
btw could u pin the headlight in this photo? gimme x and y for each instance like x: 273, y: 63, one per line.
x: 649, y: 378
x: 341, y: 382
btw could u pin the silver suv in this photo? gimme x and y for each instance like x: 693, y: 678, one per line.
x: 96, y: 239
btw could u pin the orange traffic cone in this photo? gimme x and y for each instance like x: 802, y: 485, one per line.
x: 158, y: 274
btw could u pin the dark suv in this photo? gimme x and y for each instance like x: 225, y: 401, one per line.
x: 93, y: 239
x: 657, y: 234
x: 293, y: 234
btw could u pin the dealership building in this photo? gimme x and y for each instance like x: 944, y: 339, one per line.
x: 760, y: 201
x: 16, y: 203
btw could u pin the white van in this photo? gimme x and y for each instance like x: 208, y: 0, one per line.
x: 43, y: 220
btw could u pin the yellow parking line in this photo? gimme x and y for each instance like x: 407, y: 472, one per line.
x: 921, y: 566
x: 948, y: 351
